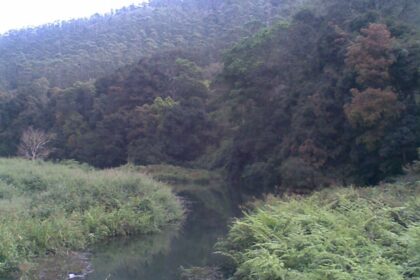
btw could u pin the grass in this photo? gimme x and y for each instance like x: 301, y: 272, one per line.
x: 337, y: 234
x: 180, y: 177
x: 50, y: 208
x: 205, y: 189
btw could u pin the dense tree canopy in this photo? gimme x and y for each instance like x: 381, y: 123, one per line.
x: 82, y: 49
x: 319, y: 100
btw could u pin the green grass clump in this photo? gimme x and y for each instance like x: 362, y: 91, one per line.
x: 176, y: 175
x: 48, y: 208
x: 337, y: 234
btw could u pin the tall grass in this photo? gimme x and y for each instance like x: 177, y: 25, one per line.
x: 340, y: 234
x: 48, y: 208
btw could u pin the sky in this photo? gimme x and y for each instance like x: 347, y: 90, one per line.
x: 16, y: 14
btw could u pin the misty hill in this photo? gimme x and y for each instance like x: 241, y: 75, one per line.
x: 83, y: 49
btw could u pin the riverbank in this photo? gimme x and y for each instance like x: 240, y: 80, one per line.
x: 51, y: 208
x: 338, y: 233
x: 171, y: 253
x: 206, y: 194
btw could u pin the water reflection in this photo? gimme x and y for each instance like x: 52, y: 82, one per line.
x: 156, y: 257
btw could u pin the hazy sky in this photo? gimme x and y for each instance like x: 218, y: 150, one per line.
x: 15, y: 14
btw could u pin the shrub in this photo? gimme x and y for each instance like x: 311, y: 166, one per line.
x: 349, y: 234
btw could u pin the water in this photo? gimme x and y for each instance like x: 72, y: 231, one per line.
x: 157, y: 257
x: 160, y: 256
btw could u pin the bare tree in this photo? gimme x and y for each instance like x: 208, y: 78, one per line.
x: 34, y: 144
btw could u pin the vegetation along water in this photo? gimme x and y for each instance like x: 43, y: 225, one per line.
x: 129, y: 140
x: 49, y: 209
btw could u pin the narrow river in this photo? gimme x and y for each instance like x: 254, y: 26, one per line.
x: 157, y: 257
x: 154, y: 257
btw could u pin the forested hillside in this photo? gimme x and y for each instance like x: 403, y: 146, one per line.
x: 330, y: 98
x: 82, y: 49
x: 299, y: 104
x: 282, y: 95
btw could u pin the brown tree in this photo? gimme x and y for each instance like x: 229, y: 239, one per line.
x: 34, y: 144
x: 372, y: 111
x: 375, y: 108
x: 370, y: 56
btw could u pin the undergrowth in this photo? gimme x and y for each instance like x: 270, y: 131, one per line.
x: 48, y: 208
x: 339, y: 234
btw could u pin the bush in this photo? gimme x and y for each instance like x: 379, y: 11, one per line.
x: 299, y: 176
x: 349, y: 234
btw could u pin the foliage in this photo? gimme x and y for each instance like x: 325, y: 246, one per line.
x: 321, y: 97
x: 370, y: 55
x: 201, y: 273
x: 48, y: 208
x: 335, y: 234
x: 206, y: 192
x: 83, y: 49
x: 147, y: 113
x: 179, y: 176
x: 413, y: 169
x: 373, y: 110
x: 326, y: 96
x: 162, y: 103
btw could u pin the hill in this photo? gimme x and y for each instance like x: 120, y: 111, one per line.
x: 83, y: 49
x: 328, y: 96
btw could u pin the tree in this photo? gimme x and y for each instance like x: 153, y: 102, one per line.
x: 34, y: 144
x: 372, y: 111
x: 370, y: 56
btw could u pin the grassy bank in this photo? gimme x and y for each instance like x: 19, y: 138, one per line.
x: 205, y: 192
x: 338, y: 234
x: 49, y: 208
